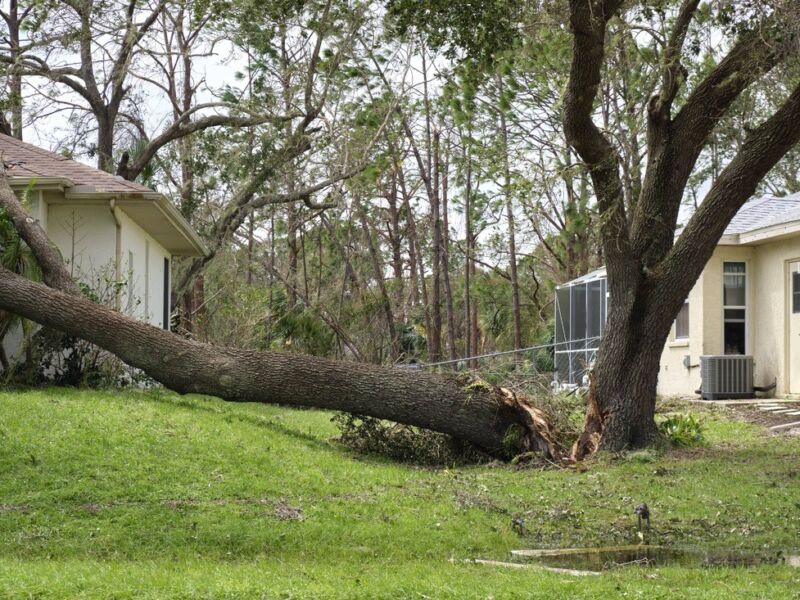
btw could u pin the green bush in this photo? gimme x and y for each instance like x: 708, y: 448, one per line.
x: 683, y: 430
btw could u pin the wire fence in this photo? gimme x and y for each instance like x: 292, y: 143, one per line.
x: 471, y: 359
x: 522, y: 370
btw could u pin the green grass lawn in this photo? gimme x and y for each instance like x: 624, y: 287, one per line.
x: 153, y: 495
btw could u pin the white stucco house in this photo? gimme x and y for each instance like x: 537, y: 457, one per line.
x: 116, y: 236
x: 746, y: 303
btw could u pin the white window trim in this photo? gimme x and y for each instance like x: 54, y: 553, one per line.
x: 746, y: 306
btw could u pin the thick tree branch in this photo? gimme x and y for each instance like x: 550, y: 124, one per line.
x: 761, y: 151
x: 755, y: 53
x: 674, y: 145
x: 493, y: 419
x: 673, y: 72
x: 588, y: 20
x: 28, y: 228
x: 183, y: 127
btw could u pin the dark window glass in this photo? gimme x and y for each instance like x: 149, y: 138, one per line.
x: 734, y: 282
x: 735, y: 314
x: 682, y: 322
x: 734, y: 337
x: 796, y: 292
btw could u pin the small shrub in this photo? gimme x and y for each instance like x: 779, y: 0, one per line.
x: 55, y: 358
x: 683, y: 430
x: 404, y: 443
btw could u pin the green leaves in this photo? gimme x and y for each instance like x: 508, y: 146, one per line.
x: 683, y: 430
x: 478, y: 29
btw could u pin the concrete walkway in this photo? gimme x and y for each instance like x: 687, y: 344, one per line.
x: 784, y: 414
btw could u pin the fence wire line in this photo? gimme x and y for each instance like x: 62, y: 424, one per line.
x: 507, y: 352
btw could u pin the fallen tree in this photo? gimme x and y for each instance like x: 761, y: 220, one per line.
x: 494, y: 419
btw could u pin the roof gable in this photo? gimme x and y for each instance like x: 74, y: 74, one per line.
x: 150, y: 210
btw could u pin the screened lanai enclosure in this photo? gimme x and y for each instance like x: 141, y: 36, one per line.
x: 580, y: 314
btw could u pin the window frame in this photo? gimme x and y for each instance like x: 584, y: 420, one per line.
x: 744, y: 307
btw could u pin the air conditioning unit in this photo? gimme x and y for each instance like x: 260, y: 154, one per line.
x: 726, y: 376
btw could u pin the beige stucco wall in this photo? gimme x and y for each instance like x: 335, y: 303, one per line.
x: 771, y: 312
x: 674, y: 378
x: 143, y: 296
x: 767, y: 317
x: 85, y: 233
x: 706, y: 324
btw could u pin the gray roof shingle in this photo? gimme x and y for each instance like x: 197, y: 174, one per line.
x: 763, y: 212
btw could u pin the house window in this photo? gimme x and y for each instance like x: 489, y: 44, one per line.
x: 682, y: 322
x: 166, y: 294
x: 796, y: 292
x: 734, y: 307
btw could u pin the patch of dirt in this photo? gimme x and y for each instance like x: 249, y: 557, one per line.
x: 284, y: 512
x: 466, y: 500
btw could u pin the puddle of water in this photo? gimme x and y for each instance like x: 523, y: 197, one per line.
x: 600, y: 559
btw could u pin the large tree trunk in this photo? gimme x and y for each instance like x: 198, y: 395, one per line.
x: 622, y: 391
x: 650, y: 272
x: 491, y: 418
x: 105, y: 140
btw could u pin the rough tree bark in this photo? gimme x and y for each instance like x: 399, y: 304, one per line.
x: 492, y: 418
x: 649, y: 272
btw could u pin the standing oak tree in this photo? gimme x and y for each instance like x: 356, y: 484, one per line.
x: 650, y: 271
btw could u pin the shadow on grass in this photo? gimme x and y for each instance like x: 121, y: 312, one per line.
x: 205, y: 404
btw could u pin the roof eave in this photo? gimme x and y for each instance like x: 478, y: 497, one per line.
x: 164, y: 206
x: 771, y: 233
x: 180, y: 223
x: 730, y: 239
x: 36, y: 182
x: 86, y: 193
